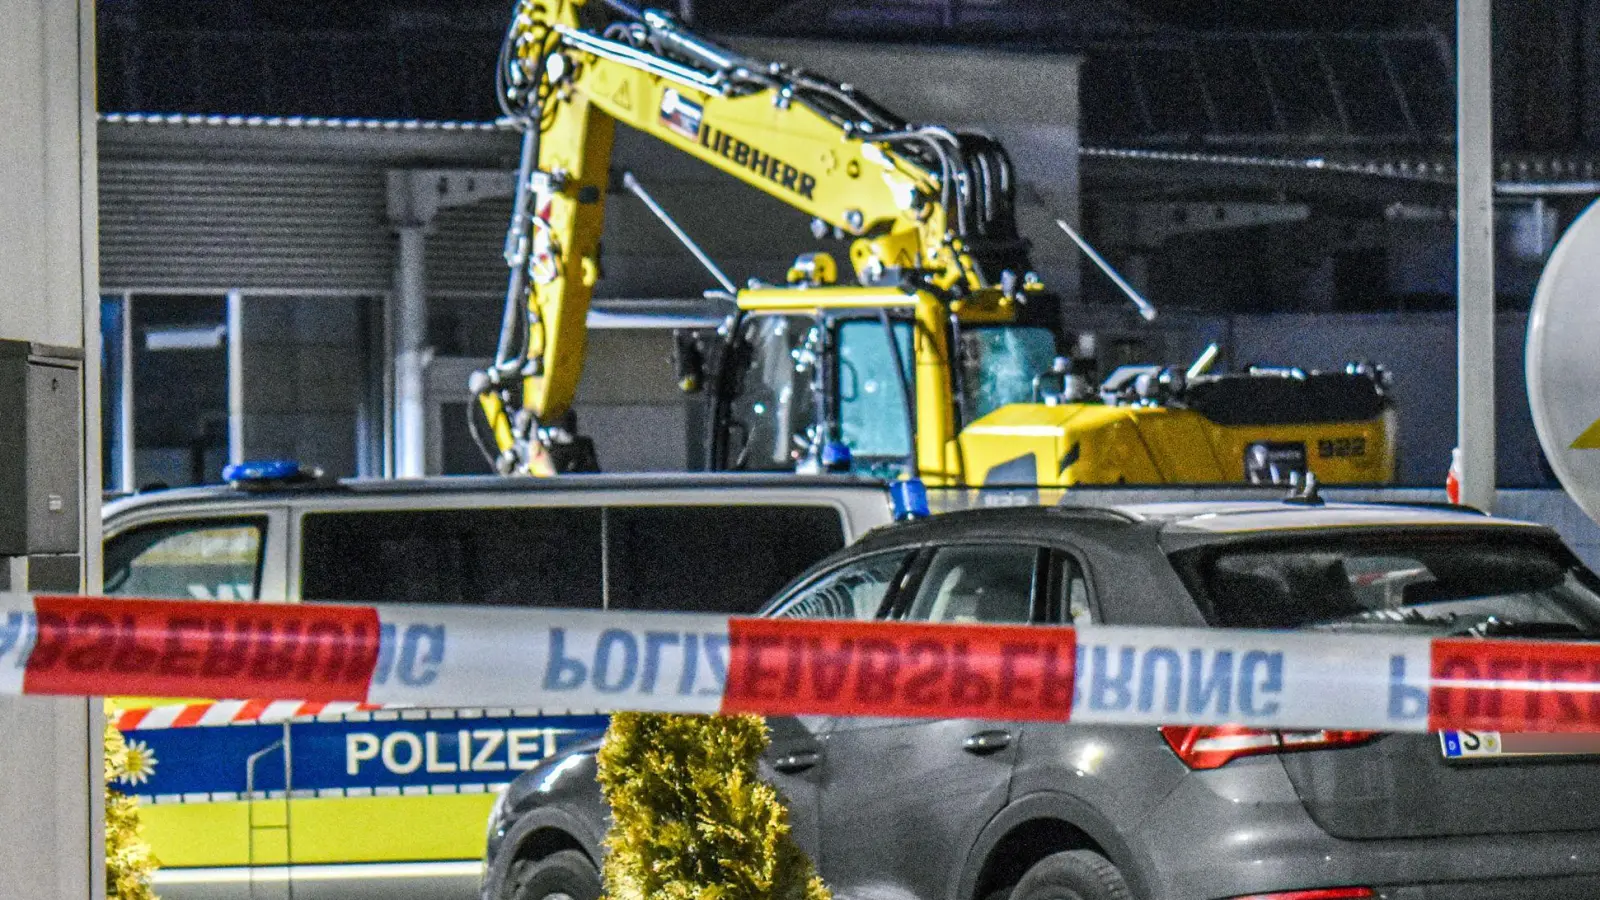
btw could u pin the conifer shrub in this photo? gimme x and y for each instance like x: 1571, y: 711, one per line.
x: 691, y: 817
x: 129, y: 862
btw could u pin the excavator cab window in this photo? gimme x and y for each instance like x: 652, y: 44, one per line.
x: 772, y: 408
x: 999, y: 364
x: 872, y: 408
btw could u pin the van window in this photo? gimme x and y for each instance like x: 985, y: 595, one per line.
x: 209, y: 559
x: 495, y: 557
x: 723, y: 559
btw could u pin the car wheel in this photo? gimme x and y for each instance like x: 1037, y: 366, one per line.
x: 1073, y: 875
x: 564, y: 875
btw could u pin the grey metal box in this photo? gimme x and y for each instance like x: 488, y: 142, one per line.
x: 41, y: 447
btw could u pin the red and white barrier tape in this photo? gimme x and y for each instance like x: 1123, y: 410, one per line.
x: 585, y: 662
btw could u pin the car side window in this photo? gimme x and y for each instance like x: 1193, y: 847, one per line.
x: 1073, y: 605
x: 712, y: 559
x: 853, y: 591
x: 212, y: 559
x: 992, y: 583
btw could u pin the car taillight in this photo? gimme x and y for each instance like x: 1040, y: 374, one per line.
x: 1213, y: 746
x: 1316, y: 894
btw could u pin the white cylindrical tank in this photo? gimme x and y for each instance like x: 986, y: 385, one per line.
x: 1564, y: 361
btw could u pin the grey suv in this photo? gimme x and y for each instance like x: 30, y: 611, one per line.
x: 970, y: 810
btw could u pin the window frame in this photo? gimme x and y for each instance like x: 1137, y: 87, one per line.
x: 1057, y: 608
x: 734, y: 381
x: 380, y: 510
x: 1192, y: 564
x: 610, y: 560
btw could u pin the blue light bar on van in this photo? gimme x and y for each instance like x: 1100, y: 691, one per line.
x: 262, y: 470
x: 908, y: 499
x: 269, y: 471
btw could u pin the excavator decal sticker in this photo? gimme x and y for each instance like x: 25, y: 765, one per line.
x: 544, y: 262
x: 681, y: 114
x: 781, y: 173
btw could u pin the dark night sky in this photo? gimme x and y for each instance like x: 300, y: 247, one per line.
x: 434, y: 58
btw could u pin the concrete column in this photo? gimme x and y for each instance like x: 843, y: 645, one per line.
x: 235, y: 328
x: 1475, y: 255
x: 411, y: 352
x: 415, y: 198
x: 51, y: 759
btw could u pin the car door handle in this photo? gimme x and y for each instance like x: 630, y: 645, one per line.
x: 985, y: 742
x: 798, y: 761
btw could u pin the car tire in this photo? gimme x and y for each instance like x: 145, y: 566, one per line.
x: 1073, y: 875
x: 563, y: 875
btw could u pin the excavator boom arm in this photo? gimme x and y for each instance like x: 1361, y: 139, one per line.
x: 919, y: 201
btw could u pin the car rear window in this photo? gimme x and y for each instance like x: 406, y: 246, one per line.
x: 1443, y: 584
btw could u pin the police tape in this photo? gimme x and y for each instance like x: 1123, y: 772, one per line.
x: 585, y: 662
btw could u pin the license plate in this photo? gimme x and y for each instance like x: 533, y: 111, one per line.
x: 1481, y: 744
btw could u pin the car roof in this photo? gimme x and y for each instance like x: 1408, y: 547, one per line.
x: 446, y: 485
x: 1191, y: 522
x: 1233, y: 517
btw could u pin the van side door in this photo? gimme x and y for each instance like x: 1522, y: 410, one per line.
x: 394, y: 802
x: 196, y: 788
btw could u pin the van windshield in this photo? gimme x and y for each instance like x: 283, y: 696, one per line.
x: 1443, y: 585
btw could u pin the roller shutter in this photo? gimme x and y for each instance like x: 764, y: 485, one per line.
x: 180, y: 225
x: 464, y: 251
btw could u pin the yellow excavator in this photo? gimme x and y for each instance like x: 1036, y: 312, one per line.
x: 939, y: 362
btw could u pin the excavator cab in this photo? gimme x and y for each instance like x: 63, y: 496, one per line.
x: 869, y: 371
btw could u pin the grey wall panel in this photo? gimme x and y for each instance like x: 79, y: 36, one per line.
x: 264, y: 226
x: 464, y: 250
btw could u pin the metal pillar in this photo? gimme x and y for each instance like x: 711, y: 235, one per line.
x: 410, y: 352
x: 1475, y: 254
x: 235, y: 331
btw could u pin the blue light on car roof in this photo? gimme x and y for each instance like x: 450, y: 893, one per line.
x: 909, y: 499
x: 263, y: 470
x: 836, y: 457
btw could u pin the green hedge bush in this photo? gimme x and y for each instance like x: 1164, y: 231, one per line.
x: 691, y: 817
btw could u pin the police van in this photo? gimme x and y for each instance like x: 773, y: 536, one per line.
x: 388, y: 803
